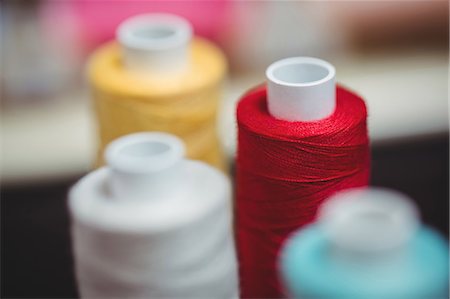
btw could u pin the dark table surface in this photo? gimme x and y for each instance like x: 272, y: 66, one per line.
x: 35, y: 240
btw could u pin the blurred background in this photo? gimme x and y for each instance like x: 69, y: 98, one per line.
x: 394, y: 54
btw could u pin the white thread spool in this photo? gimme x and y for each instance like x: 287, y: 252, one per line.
x: 301, y: 89
x: 153, y: 225
x: 369, y: 220
x: 155, y: 43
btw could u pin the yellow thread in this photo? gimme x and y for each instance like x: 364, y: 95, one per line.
x: 184, y: 105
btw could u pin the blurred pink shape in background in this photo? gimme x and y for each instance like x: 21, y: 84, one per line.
x: 96, y: 21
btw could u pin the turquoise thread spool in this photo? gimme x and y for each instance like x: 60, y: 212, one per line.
x: 367, y: 244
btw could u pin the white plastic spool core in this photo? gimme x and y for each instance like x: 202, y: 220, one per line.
x: 301, y: 89
x: 373, y: 220
x: 155, y: 43
x: 144, y: 165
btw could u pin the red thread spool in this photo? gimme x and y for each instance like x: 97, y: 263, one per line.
x: 285, y: 170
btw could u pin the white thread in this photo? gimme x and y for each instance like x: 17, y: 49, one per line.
x: 177, y: 246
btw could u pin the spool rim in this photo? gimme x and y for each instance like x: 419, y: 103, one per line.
x: 145, y: 152
x: 132, y: 32
x: 271, y: 72
x: 346, y: 219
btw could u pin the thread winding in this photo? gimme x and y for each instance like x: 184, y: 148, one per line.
x: 183, y: 104
x: 142, y: 230
x: 367, y: 243
x: 284, y: 171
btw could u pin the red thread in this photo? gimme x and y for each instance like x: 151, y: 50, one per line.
x: 284, y: 171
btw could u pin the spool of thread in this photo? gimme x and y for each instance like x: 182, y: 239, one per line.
x: 151, y: 224
x: 158, y: 78
x: 366, y: 244
x: 299, y: 141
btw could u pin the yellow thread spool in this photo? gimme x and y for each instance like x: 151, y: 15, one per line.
x: 156, y: 84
